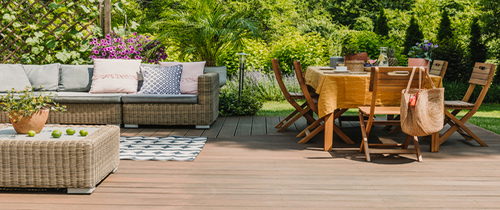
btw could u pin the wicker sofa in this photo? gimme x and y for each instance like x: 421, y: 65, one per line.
x: 130, y: 110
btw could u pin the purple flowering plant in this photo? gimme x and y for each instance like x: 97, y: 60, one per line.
x: 132, y: 47
x: 422, y: 50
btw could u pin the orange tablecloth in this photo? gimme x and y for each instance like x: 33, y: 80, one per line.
x: 346, y: 90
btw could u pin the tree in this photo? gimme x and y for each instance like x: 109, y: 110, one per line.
x: 477, y: 49
x: 445, y: 30
x: 451, y: 50
x: 412, y: 36
x: 381, y: 27
x: 204, y: 30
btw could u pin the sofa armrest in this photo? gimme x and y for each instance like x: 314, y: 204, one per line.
x: 208, y: 95
x: 208, y: 84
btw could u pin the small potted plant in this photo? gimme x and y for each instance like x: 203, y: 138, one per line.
x: 28, y: 110
x: 352, y: 53
x: 421, y: 53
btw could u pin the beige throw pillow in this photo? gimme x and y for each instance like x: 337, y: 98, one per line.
x: 115, y: 76
x: 189, y: 77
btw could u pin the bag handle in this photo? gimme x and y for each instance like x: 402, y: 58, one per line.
x: 429, y: 77
x: 421, y: 69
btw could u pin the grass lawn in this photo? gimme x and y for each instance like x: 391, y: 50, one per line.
x: 487, y: 117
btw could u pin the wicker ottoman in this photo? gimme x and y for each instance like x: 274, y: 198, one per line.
x: 73, y: 162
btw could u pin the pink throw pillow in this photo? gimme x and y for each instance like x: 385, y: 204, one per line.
x: 115, y: 76
x: 189, y: 77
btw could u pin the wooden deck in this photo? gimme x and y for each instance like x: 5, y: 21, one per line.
x: 246, y: 164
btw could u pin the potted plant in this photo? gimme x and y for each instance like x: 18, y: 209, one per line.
x: 28, y: 110
x: 202, y: 30
x: 352, y: 53
x: 421, y: 53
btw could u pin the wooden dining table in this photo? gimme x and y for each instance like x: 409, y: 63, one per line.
x: 341, y: 91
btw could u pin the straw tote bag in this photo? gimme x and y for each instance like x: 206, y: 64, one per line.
x: 422, y: 110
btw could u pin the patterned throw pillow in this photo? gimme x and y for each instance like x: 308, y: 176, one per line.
x: 161, y: 80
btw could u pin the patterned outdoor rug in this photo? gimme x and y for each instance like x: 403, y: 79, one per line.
x: 161, y: 148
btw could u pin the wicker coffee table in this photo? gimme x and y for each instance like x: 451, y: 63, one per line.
x: 73, y: 162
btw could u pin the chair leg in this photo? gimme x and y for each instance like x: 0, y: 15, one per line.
x: 417, y: 148
x: 406, y: 142
x: 310, y: 128
x: 284, y: 121
x: 312, y: 134
x: 459, y: 124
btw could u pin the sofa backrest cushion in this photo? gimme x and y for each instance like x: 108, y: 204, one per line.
x: 13, y: 76
x: 161, y: 80
x: 115, y: 76
x: 190, y: 73
x: 45, y: 75
x: 75, y: 78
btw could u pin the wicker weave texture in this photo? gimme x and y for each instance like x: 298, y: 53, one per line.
x: 205, y: 112
x: 60, y: 164
x: 91, y: 114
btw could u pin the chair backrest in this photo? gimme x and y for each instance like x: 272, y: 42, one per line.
x: 390, y: 81
x: 438, y: 68
x: 481, y: 75
x: 302, y: 82
x: 279, y: 78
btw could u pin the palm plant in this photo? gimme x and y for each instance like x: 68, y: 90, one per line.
x: 203, y: 29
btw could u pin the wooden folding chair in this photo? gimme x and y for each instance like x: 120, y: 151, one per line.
x: 300, y: 110
x: 481, y: 75
x: 318, y: 125
x: 438, y: 68
x: 384, y: 81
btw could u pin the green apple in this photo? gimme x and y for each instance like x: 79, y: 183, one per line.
x: 70, y: 131
x: 84, y: 132
x: 56, y: 133
x: 31, y: 133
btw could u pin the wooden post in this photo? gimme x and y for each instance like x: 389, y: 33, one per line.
x: 107, y: 16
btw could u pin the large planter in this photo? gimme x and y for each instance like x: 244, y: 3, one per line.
x: 34, y: 122
x: 419, y: 62
x: 222, y: 70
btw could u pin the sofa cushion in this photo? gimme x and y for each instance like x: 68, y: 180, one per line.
x: 115, y: 76
x: 75, y: 78
x: 163, y: 99
x: 161, y: 80
x: 88, y: 98
x: 13, y: 76
x: 45, y: 75
x: 190, y: 73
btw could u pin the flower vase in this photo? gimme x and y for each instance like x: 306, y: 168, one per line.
x: 34, y: 122
x: 419, y: 62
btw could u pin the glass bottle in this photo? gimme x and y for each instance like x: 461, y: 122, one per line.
x: 382, y: 59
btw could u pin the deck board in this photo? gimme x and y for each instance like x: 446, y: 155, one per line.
x: 265, y: 169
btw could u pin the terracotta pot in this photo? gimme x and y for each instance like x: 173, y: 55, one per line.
x: 419, y: 62
x: 360, y: 56
x: 34, y: 122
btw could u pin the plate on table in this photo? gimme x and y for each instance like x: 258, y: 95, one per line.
x: 326, y: 68
x: 341, y: 71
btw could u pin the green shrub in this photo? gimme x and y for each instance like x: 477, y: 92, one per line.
x: 266, y: 87
x: 232, y: 105
x: 258, y: 57
x: 310, y: 49
x: 455, y: 90
x: 363, y: 24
